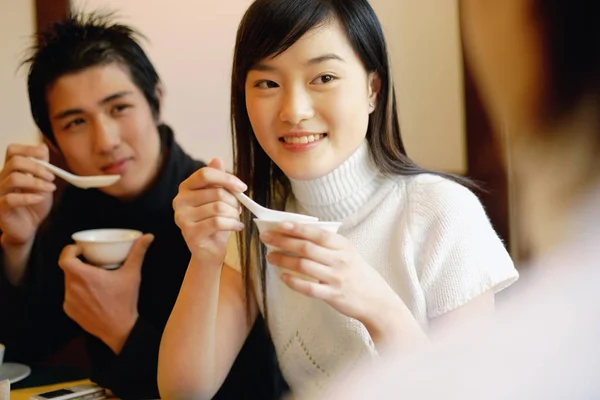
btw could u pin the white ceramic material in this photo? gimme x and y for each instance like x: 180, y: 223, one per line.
x: 106, y: 248
x: 267, y: 214
x: 264, y: 226
x: 83, y: 182
x: 12, y: 372
x: 4, y: 389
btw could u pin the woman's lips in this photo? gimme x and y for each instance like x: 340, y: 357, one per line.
x: 301, y: 143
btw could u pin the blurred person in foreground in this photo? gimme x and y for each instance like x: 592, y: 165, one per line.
x: 537, y: 66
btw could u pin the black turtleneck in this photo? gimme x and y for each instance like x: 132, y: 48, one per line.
x: 32, y: 321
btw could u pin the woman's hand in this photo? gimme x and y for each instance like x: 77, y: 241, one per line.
x: 340, y: 277
x: 207, y: 212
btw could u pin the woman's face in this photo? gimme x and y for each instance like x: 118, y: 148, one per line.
x: 309, y: 106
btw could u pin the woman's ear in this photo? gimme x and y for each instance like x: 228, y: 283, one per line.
x: 374, y: 89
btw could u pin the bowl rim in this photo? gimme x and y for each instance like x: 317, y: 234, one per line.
x: 301, y: 222
x: 77, y: 235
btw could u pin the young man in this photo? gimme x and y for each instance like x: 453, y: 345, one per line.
x: 96, y: 98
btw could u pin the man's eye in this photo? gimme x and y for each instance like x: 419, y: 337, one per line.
x: 74, y: 123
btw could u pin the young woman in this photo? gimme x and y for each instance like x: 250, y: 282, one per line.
x: 537, y: 65
x: 316, y: 131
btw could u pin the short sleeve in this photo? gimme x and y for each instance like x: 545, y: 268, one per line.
x: 460, y: 256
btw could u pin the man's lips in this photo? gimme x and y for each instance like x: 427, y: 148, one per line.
x: 117, y: 167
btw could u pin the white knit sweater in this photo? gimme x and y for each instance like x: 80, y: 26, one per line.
x: 427, y: 236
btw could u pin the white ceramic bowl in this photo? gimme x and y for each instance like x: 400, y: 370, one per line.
x: 106, y: 248
x: 264, y: 226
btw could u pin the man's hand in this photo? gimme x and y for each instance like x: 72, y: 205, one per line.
x: 25, y: 201
x: 104, y: 302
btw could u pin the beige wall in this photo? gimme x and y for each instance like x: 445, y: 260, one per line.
x: 17, y: 20
x: 424, y: 42
x: 191, y: 44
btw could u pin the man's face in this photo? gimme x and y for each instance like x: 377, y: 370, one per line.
x: 103, y: 124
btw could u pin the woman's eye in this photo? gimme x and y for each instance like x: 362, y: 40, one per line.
x: 265, y: 84
x: 120, y: 108
x: 324, y: 79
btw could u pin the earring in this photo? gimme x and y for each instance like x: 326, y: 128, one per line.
x: 372, y: 104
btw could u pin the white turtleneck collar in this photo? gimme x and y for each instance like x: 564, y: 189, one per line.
x: 343, y: 191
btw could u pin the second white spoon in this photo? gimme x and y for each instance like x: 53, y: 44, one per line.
x: 83, y: 182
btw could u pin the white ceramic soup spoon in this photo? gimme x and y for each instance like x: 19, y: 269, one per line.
x: 267, y: 214
x: 84, y: 182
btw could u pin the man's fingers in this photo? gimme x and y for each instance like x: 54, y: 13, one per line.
x: 23, y: 182
x: 19, y: 163
x: 40, y: 151
x: 14, y: 200
x: 138, y: 251
x: 68, y: 258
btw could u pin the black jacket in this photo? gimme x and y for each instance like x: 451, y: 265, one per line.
x: 33, y: 324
